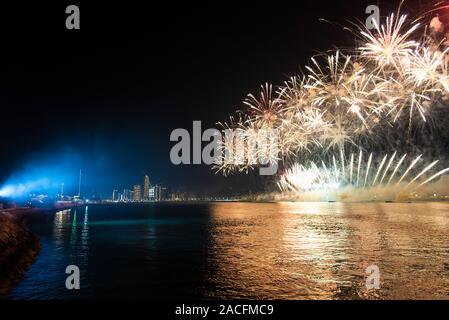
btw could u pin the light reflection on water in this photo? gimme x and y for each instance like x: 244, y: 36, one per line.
x: 243, y: 250
x: 321, y: 250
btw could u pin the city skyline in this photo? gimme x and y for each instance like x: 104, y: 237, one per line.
x: 139, y: 193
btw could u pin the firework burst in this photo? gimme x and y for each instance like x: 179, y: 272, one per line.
x: 393, y: 78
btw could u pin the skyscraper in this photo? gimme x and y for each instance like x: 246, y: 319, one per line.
x: 156, y: 193
x: 166, y: 193
x: 146, y: 188
x: 126, y: 196
x: 137, y: 193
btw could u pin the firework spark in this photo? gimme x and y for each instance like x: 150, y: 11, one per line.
x: 301, y: 178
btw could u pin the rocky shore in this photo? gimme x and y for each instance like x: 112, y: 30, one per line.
x: 18, y: 248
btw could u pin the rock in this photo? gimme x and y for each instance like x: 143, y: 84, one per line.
x: 18, y: 250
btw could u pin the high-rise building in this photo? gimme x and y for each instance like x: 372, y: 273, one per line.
x: 156, y: 193
x: 146, y: 188
x: 115, y: 195
x: 126, y: 196
x: 152, y: 192
x: 137, y: 193
x: 166, y: 193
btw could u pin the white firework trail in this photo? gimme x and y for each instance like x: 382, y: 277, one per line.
x: 301, y: 178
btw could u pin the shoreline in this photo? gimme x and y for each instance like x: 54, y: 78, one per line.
x: 19, y: 247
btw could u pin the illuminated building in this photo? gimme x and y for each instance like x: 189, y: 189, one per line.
x: 126, y: 195
x: 137, y: 193
x: 115, y: 195
x: 166, y: 193
x: 156, y: 193
x: 146, y: 188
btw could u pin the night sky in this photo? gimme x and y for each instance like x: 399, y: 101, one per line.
x: 105, y: 98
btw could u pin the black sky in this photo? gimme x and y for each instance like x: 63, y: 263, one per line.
x: 113, y: 91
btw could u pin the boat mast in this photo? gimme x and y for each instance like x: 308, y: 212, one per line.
x: 79, y: 185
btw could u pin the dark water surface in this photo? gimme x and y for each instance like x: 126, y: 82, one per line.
x: 242, y: 250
